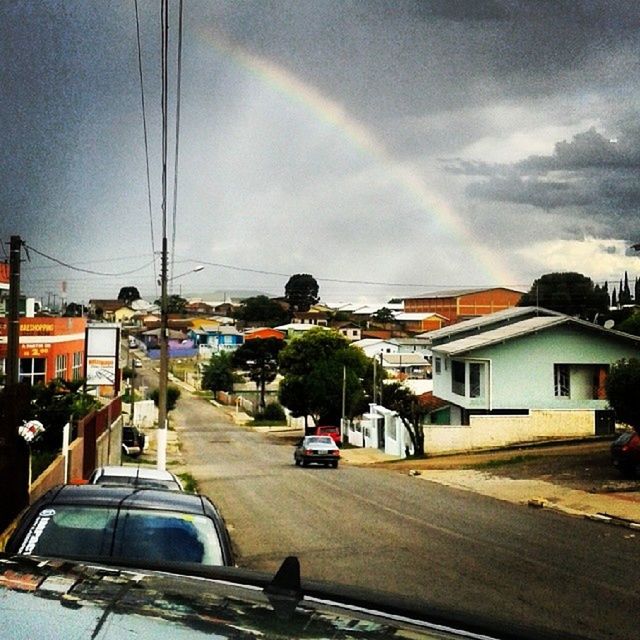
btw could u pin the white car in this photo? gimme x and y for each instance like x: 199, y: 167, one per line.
x: 147, y: 477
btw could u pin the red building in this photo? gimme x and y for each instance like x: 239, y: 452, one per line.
x: 462, y: 304
x: 49, y: 348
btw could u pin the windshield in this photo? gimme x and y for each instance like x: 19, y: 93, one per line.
x: 94, y: 532
x: 416, y: 221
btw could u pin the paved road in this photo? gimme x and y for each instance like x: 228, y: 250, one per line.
x: 391, y: 532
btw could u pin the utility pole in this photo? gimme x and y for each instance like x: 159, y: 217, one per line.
x: 14, y: 400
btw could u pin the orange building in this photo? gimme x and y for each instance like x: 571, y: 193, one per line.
x: 49, y: 348
x: 462, y: 304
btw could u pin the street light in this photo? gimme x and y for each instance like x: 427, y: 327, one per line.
x: 164, y: 357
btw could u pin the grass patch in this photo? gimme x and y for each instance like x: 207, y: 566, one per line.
x: 501, y: 462
x: 188, y: 482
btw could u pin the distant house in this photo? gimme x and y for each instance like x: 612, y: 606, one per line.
x: 110, y: 310
x: 373, y: 347
x: 211, y: 339
x: 317, y: 318
x: 461, y: 304
x: 263, y: 333
x: 418, y: 322
x: 350, y: 330
x: 198, y: 307
x: 294, y: 329
x: 406, y: 365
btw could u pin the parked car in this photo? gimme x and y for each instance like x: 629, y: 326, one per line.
x: 331, y: 431
x: 317, y: 449
x: 133, y: 441
x: 112, y: 524
x: 137, y: 476
x: 61, y: 600
x: 625, y: 453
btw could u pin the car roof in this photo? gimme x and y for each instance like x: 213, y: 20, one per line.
x: 106, y: 495
x: 145, y: 473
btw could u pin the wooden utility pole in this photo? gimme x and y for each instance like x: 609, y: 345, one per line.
x: 14, y: 400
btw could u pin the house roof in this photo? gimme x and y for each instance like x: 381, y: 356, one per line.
x: 416, y: 316
x: 481, y: 322
x: 404, y: 359
x: 369, y: 342
x: 525, y: 327
x: 4, y: 272
x: 454, y: 293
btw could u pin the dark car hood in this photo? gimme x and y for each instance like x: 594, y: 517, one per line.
x: 60, y: 599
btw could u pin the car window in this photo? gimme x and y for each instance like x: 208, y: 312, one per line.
x: 319, y: 440
x: 167, y: 536
x: 70, y: 531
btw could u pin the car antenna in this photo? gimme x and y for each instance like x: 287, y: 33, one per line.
x: 285, y: 591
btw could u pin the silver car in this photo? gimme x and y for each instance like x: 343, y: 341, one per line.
x: 146, y: 477
x: 318, y: 450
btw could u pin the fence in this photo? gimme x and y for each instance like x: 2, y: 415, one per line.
x: 98, y: 442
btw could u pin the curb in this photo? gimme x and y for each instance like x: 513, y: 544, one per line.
x: 604, y: 518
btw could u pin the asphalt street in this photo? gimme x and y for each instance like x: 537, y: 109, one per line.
x: 386, y: 531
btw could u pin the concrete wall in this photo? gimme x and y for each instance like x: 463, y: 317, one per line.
x: 145, y: 413
x: 499, y: 431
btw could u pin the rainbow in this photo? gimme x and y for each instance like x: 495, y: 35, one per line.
x: 335, y: 115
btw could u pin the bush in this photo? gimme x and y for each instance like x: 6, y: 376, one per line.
x: 272, y: 412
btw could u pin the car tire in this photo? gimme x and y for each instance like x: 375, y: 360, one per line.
x: 334, y: 465
x: 296, y: 462
x: 304, y: 462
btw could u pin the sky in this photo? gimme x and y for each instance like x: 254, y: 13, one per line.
x: 389, y: 148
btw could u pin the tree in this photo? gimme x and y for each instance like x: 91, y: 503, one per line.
x: 570, y: 293
x: 260, y: 357
x: 631, y: 324
x: 317, y: 367
x: 74, y: 310
x: 218, y: 373
x: 407, y: 405
x: 53, y: 404
x: 625, y: 291
x: 128, y: 295
x: 622, y: 387
x: 173, y: 395
x: 261, y: 309
x: 175, y: 304
x: 636, y: 291
x: 301, y: 291
x: 383, y: 316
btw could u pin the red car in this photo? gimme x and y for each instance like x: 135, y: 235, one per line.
x: 625, y: 452
x: 332, y: 432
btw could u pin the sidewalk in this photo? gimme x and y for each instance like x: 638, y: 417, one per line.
x: 615, y: 508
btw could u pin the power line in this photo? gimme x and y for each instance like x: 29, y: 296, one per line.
x: 95, y: 273
x: 146, y: 139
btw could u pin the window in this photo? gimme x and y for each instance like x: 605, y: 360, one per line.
x: 438, y: 365
x: 61, y: 366
x: 475, y: 379
x: 32, y: 370
x: 76, y: 371
x: 561, y: 380
x: 457, y: 377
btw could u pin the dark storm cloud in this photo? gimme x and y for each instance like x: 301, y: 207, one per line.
x: 597, y: 177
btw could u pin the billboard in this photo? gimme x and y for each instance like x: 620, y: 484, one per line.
x: 101, y: 361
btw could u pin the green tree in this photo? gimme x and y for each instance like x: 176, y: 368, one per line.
x: 631, y: 324
x: 128, y: 294
x: 261, y: 309
x: 53, y: 404
x: 173, y: 395
x: 260, y: 357
x: 218, y: 373
x: 175, y: 304
x: 407, y: 405
x: 622, y: 387
x: 383, y: 316
x: 570, y: 293
x: 74, y: 310
x: 317, y: 367
x: 301, y: 291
